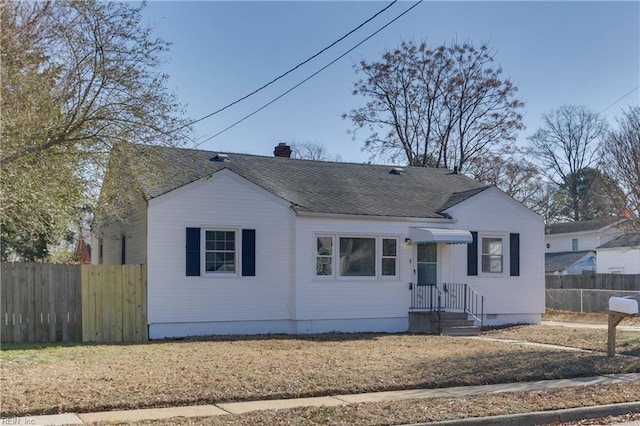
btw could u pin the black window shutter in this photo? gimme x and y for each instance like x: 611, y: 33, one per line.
x: 193, y: 252
x: 472, y: 255
x: 248, y: 252
x: 514, y: 254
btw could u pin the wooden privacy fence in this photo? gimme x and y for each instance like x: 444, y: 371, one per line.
x: 594, y: 281
x: 114, y: 303
x: 588, y: 292
x: 73, y: 303
x: 40, y: 303
x: 581, y: 299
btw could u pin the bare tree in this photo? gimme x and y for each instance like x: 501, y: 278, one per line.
x: 622, y: 162
x: 510, y: 171
x: 312, y: 151
x: 76, y: 78
x: 597, y: 196
x: 568, y: 143
x: 438, y: 107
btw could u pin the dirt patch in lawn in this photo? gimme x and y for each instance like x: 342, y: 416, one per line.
x: 158, y: 374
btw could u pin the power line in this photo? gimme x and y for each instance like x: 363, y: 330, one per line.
x: 195, y: 145
x: 310, y: 77
x: 621, y: 98
x: 287, y: 72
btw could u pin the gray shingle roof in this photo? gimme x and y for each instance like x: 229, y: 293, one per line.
x: 312, y: 186
x: 624, y: 240
x: 560, y: 261
x: 580, y: 226
x: 459, y: 197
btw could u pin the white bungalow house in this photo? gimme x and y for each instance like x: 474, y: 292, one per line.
x: 245, y: 244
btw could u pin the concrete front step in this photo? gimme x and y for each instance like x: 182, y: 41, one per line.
x: 445, y: 323
x: 453, y: 316
x: 461, y: 331
x: 457, y: 324
x: 449, y: 323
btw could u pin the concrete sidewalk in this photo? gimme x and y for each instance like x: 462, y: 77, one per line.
x: 279, y: 404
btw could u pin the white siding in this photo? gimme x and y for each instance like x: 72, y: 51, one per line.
x: 588, y: 240
x: 495, y: 214
x: 133, y: 228
x: 182, y: 305
x: 351, y: 303
x: 621, y: 260
x: 287, y: 296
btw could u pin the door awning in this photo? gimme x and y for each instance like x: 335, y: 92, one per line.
x: 439, y: 235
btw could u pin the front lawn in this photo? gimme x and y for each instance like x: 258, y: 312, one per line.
x: 586, y: 317
x: 627, y: 342
x: 102, y: 377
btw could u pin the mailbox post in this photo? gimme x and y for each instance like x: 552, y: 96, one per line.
x: 619, y: 309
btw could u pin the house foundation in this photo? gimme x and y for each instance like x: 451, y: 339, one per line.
x: 423, y: 322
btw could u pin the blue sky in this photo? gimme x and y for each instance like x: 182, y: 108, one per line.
x: 558, y: 53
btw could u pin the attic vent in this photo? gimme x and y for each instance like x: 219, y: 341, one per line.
x: 219, y: 157
x: 397, y: 171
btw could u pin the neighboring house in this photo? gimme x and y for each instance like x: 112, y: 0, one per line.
x: 571, y: 246
x: 246, y: 244
x: 570, y: 262
x: 620, y: 255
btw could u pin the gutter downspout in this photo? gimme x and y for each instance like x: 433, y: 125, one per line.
x: 293, y: 305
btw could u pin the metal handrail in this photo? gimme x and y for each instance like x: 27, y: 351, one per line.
x: 425, y: 297
x: 463, y: 298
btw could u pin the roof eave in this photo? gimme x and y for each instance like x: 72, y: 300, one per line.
x: 304, y: 213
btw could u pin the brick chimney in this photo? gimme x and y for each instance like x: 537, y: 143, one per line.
x: 282, y: 150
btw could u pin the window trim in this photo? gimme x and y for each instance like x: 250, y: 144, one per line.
x: 395, y: 257
x: 376, y: 256
x: 203, y: 251
x: 331, y: 256
x: 504, y: 238
x: 335, y: 255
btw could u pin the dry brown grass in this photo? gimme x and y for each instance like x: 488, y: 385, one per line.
x: 627, y: 342
x: 102, y: 377
x: 587, y: 318
x: 428, y: 410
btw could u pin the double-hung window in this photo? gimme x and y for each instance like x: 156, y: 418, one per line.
x: 356, y: 256
x: 324, y: 255
x: 492, y: 255
x: 220, y: 252
x: 389, y: 257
